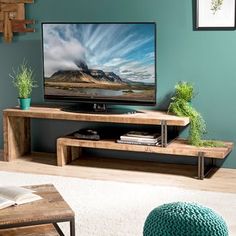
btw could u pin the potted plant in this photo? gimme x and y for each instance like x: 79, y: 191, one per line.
x: 23, y: 80
x: 181, y: 106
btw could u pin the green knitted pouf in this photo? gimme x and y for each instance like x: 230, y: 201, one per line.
x: 184, y: 219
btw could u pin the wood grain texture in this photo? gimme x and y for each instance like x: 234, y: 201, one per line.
x: 12, y: 17
x: 39, y: 230
x: 20, y: 12
x: 141, y: 117
x: 16, y: 1
x: 63, y: 154
x: 8, y: 7
x: 5, y: 137
x: 66, y: 153
x: 177, y: 147
x: 51, y: 208
x: 17, y: 125
x: 16, y: 137
x: 7, y: 28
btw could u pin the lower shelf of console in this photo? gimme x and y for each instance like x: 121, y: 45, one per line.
x: 68, y: 148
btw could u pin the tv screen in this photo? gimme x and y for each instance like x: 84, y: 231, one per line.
x: 100, y: 62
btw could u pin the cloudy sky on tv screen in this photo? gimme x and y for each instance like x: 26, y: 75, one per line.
x: 128, y: 50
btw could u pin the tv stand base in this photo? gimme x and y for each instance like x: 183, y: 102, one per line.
x: 17, y: 135
x: 98, y: 108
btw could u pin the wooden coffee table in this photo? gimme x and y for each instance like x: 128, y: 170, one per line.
x: 39, y: 217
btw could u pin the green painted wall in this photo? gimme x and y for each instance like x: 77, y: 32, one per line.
x: 206, y: 58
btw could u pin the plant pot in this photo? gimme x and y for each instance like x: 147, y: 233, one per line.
x: 24, y: 103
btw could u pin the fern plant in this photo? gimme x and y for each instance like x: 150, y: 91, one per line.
x: 181, y: 106
x: 23, y: 80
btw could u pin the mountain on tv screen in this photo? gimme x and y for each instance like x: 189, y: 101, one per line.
x: 100, y: 61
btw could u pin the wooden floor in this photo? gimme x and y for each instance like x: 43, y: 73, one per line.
x: 223, y: 180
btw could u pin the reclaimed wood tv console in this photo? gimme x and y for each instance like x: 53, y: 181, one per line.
x: 17, y: 140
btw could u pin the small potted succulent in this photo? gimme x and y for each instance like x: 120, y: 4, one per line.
x: 23, y: 80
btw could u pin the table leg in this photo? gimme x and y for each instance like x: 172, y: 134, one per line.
x: 63, y: 153
x: 201, y: 165
x: 163, y: 133
x: 58, y: 229
x: 17, y: 138
x: 72, y: 227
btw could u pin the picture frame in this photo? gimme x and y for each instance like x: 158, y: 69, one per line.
x: 215, y: 14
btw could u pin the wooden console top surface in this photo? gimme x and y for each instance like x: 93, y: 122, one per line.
x: 148, y: 117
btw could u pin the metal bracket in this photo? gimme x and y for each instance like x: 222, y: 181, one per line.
x: 163, y: 133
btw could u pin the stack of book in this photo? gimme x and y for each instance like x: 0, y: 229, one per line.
x: 142, y: 138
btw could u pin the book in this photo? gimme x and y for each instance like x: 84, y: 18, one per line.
x: 12, y: 195
x: 142, y: 134
x: 140, y: 139
x: 137, y: 143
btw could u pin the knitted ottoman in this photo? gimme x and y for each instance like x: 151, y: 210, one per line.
x: 184, y: 219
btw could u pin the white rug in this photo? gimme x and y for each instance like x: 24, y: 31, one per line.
x: 106, y: 208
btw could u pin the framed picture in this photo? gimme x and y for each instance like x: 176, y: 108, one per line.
x: 215, y: 14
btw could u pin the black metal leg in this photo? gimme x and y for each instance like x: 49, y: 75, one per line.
x: 201, y: 165
x: 202, y: 171
x: 72, y: 227
x: 165, y: 127
x: 58, y: 229
x: 163, y: 133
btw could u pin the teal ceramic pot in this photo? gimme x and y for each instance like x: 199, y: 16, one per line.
x: 24, y: 103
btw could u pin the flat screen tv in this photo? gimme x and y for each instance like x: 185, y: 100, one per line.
x: 100, y: 63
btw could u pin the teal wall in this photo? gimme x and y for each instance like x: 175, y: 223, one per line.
x: 206, y: 58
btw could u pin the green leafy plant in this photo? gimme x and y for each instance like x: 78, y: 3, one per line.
x: 181, y: 106
x: 23, y: 80
x: 216, y: 5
